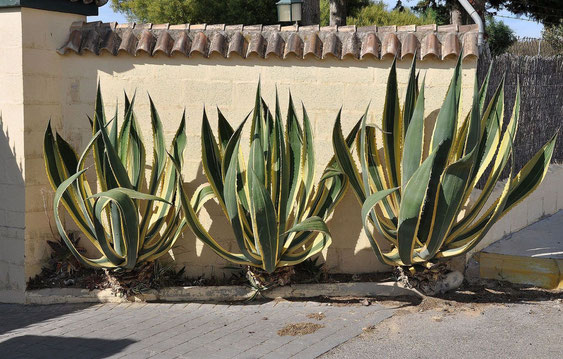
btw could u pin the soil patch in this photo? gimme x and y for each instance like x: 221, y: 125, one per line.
x: 317, y: 316
x: 299, y: 329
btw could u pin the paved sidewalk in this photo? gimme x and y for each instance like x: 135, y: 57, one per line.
x: 179, y: 330
x: 464, y: 331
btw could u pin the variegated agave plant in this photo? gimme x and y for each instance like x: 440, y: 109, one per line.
x: 416, y: 202
x: 130, y: 221
x: 277, y: 215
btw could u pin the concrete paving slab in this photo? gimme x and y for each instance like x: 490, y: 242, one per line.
x: 221, y: 331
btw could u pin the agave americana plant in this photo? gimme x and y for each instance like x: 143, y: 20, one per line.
x: 416, y: 201
x: 277, y: 215
x: 130, y: 221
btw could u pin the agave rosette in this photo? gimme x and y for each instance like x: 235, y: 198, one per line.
x: 420, y: 203
x: 276, y: 213
x: 130, y: 221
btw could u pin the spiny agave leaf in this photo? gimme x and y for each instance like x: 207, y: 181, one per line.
x: 410, y: 97
x: 211, y: 157
x: 225, y: 130
x: 308, y: 154
x: 367, y: 208
x: 410, y: 214
x: 159, y: 149
x: 531, y: 175
x: 59, y: 193
x: 345, y: 160
x: 125, y: 131
x: 413, y: 148
x: 294, y: 145
x: 128, y: 217
x: 130, y: 193
x: 446, y: 123
x: 392, y: 127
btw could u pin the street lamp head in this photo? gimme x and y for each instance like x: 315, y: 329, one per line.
x: 289, y: 10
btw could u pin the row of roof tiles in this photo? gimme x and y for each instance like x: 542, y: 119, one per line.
x: 377, y: 42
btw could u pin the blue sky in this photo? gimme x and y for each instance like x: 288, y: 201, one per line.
x: 523, y: 27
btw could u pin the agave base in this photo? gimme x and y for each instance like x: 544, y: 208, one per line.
x: 435, y: 280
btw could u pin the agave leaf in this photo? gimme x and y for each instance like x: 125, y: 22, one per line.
x: 412, y: 153
x: 392, y: 127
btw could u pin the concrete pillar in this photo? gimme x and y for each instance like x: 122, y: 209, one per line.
x: 30, y: 94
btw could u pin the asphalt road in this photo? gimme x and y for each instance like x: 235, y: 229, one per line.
x: 453, y: 330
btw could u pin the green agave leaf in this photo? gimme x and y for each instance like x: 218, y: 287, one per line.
x: 410, y: 213
x: 392, y: 127
x: 413, y: 148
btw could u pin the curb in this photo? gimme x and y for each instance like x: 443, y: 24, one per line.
x: 545, y: 273
x: 218, y: 293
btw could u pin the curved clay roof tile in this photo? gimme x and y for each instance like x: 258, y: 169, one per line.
x: 430, y: 46
x: 164, y: 44
x: 237, y: 45
x: 409, y: 46
x: 91, y: 42
x: 294, y: 46
x: 331, y: 46
x: 275, y: 46
x: 146, y: 42
x: 451, y: 46
x: 73, y: 43
x: 182, y: 45
x: 218, y: 44
x: 391, y: 45
x: 199, y: 45
x: 470, y: 46
x: 370, y: 46
x: 313, y: 45
x: 350, y: 47
x: 128, y: 43
x: 110, y: 43
x: 256, y: 45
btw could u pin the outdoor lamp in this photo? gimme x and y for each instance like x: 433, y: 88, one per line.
x: 289, y: 10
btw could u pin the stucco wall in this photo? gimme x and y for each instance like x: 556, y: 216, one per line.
x: 12, y: 171
x: 176, y: 83
x: 48, y: 85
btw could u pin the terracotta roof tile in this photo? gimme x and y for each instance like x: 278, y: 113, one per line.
x: 265, y: 41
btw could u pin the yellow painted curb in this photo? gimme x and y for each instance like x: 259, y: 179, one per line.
x: 540, y: 272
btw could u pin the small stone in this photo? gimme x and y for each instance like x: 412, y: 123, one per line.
x: 365, y: 303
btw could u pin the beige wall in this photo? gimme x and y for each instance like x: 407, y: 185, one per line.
x: 63, y: 88
x: 176, y: 83
x: 12, y: 189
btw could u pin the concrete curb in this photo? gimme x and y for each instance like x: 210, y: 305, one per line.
x: 218, y: 293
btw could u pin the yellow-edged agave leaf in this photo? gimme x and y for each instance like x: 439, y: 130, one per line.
x: 277, y: 214
x: 125, y: 225
x: 422, y: 220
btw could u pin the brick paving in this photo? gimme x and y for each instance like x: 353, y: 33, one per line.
x: 191, y: 330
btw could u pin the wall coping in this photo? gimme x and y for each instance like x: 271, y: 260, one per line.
x: 273, y: 41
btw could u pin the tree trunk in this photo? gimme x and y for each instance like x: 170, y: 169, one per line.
x: 311, y: 12
x: 455, y: 14
x: 337, y: 12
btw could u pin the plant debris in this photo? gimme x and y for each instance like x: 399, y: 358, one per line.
x: 317, y: 316
x: 299, y: 329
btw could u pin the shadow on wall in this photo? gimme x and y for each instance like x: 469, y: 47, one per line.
x: 35, y: 346
x: 12, y: 207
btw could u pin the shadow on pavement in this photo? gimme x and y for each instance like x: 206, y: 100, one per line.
x: 15, y: 316
x: 33, y: 346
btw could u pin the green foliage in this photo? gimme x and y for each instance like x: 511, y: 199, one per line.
x: 420, y: 204
x: 246, y: 12
x: 554, y: 36
x: 378, y: 14
x: 365, y: 13
x: 130, y: 221
x: 500, y: 36
x: 277, y: 215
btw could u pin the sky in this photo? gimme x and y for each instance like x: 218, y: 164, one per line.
x: 523, y: 27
